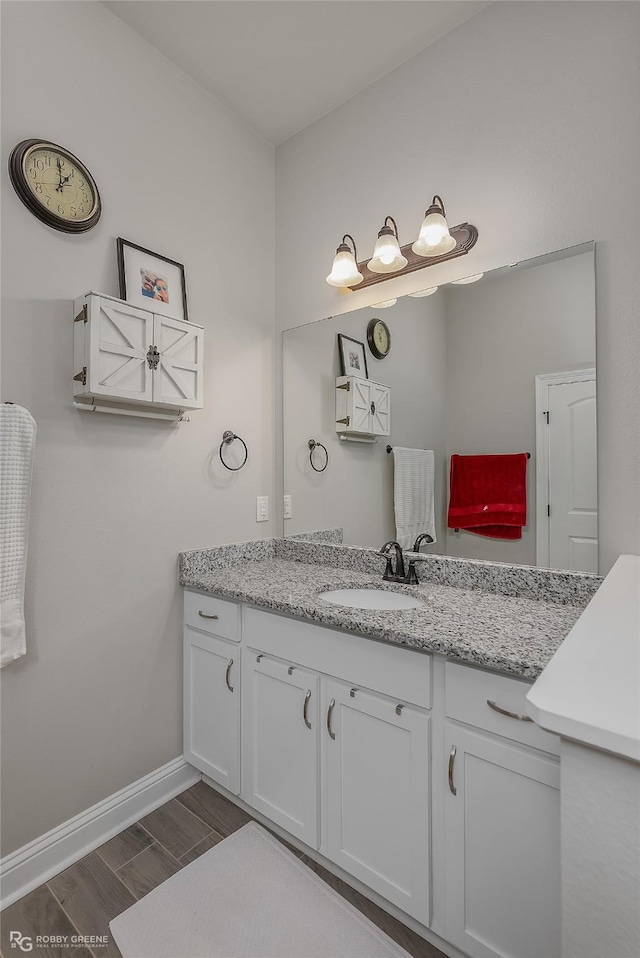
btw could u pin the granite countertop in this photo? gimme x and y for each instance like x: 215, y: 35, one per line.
x: 514, y: 634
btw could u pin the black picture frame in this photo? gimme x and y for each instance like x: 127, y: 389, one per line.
x: 349, y: 367
x: 129, y: 292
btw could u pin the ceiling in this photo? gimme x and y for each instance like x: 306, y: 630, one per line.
x: 282, y: 64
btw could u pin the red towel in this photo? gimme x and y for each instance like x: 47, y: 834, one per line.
x: 488, y: 495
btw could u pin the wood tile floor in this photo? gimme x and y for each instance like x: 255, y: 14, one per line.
x: 84, y: 898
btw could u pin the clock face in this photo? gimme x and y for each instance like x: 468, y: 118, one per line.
x: 379, y: 338
x: 55, y: 186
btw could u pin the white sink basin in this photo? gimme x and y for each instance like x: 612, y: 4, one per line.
x: 380, y: 599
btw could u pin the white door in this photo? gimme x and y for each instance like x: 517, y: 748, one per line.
x: 502, y: 837
x: 178, y: 377
x: 573, y: 488
x: 375, y: 779
x: 120, y: 337
x: 280, y: 744
x: 380, y: 409
x: 212, y: 707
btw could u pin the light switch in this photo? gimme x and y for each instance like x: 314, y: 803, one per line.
x: 288, y: 508
x: 262, y: 508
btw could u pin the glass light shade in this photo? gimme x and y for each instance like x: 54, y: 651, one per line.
x: 344, y: 272
x: 385, y: 305
x: 467, y: 279
x: 387, y: 257
x: 425, y: 292
x: 445, y: 245
x: 434, y: 228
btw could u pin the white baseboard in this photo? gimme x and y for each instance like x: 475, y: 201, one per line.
x: 37, y: 862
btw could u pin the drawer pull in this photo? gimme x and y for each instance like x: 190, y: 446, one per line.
x: 227, y: 673
x: 452, y: 758
x: 332, y: 734
x: 399, y: 709
x: 304, y: 709
x: 203, y: 615
x: 291, y: 670
x: 513, y: 715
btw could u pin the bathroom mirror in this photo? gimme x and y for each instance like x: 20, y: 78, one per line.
x: 474, y: 369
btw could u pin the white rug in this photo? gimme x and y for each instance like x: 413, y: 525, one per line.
x: 249, y: 897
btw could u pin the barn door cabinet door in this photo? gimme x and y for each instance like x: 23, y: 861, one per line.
x: 130, y: 355
x: 212, y: 707
x: 502, y: 834
x: 376, y: 802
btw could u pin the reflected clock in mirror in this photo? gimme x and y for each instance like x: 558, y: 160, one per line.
x: 506, y: 364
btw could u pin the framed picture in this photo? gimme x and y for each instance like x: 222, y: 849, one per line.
x: 353, y: 358
x: 151, y: 281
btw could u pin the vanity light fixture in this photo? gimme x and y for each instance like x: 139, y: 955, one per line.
x: 345, y: 272
x: 435, y: 244
x: 387, y: 257
x: 467, y: 279
x: 434, y: 238
x: 425, y: 292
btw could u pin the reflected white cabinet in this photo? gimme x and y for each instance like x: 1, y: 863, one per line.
x: 375, y: 778
x: 132, y: 356
x: 363, y: 408
x: 212, y: 706
x: 280, y: 744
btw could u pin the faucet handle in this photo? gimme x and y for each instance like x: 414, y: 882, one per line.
x: 412, y: 575
x: 389, y: 575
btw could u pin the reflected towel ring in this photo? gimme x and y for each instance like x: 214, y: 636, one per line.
x: 317, y: 445
x: 227, y: 438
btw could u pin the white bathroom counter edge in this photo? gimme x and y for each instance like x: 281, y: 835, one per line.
x: 590, y: 690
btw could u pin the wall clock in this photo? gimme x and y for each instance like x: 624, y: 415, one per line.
x: 379, y: 338
x: 55, y: 186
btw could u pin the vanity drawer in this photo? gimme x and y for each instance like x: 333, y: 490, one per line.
x: 469, y: 690
x: 392, y: 670
x: 213, y: 615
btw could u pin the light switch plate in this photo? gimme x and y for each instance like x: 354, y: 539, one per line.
x: 262, y: 508
x: 288, y: 507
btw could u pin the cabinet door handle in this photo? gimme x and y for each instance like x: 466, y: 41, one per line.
x: 203, y: 615
x: 514, y: 715
x: 452, y: 758
x: 227, y: 673
x: 305, y: 708
x: 332, y: 705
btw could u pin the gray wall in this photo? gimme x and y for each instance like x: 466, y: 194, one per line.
x: 355, y: 492
x: 521, y: 119
x: 96, y: 702
x: 502, y: 332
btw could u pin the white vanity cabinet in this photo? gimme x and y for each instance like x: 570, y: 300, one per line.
x: 132, y: 356
x: 363, y: 408
x: 212, y: 688
x: 502, y: 821
x: 281, y: 744
x: 376, y: 799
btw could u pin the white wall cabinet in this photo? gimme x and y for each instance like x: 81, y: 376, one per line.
x: 212, y: 707
x: 363, y: 408
x: 280, y: 744
x: 375, y: 777
x: 127, y: 355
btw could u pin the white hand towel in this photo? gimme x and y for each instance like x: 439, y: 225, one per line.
x: 413, y: 487
x: 17, y: 440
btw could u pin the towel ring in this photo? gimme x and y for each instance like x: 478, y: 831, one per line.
x: 317, y: 445
x: 227, y: 438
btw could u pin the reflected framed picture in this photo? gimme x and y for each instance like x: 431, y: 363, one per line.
x: 151, y: 281
x: 353, y: 358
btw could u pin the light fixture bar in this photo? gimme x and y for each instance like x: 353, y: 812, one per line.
x: 465, y: 235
